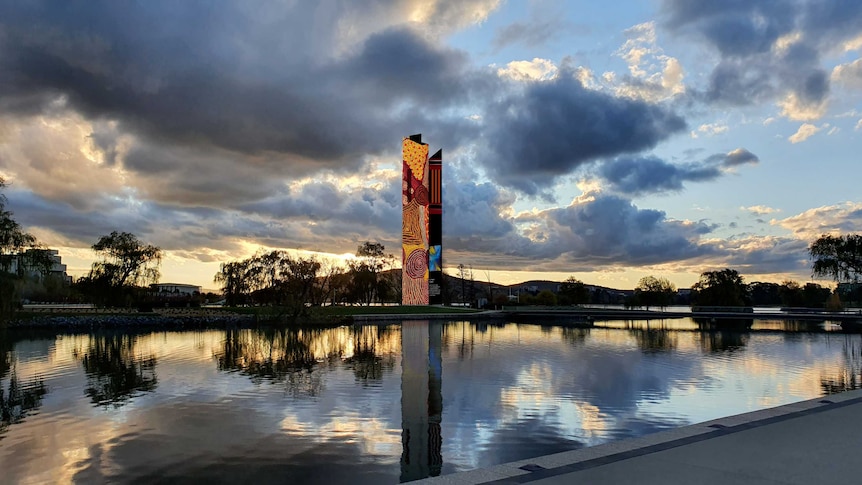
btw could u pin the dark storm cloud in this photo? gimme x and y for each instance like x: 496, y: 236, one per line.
x: 754, y: 65
x: 612, y: 228
x: 599, y: 229
x: 84, y: 227
x: 554, y: 127
x: 650, y: 174
x: 737, y: 28
x: 224, y: 77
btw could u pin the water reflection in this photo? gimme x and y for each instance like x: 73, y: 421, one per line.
x: 370, y: 359
x: 17, y: 398
x: 421, y: 399
x: 850, y: 376
x: 722, y: 341
x: 365, y: 404
x: 654, y: 339
x: 115, y: 371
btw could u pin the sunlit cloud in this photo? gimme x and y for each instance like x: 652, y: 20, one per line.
x: 805, y: 131
x: 832, y: 219
x: 760, y: 210
x: 535, y: 70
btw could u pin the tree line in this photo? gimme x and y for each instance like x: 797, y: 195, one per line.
x: 293, y: 283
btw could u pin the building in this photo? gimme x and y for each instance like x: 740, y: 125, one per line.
x: 39, y: 264
x: 178, y: 289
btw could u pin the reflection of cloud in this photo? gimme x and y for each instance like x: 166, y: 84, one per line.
x: 509, y: 392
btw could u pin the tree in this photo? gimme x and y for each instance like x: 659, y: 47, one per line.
x: 235, y: 284
x: 573, y: 292
x: 287, y: 284
x: 791, y: 293
x: 367, y: 285
x: 13, y: 242
x: 837, y: 257
x: 126, y: 260
x: 126, y: 264
x: 721, y: 288
x: 652, y: 291
x: 546, y: 297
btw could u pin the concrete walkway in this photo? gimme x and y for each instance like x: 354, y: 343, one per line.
x: 816, y: 441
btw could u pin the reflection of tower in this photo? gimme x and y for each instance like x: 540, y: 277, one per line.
x: 421, y: 399
x: 421, y: 223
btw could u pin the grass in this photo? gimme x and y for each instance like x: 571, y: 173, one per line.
x: 388, y: 310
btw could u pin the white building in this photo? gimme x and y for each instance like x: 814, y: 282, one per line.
x: 176, y: 288
x: 29, y: 262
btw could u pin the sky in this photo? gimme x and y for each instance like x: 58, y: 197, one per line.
x: 605, y: 142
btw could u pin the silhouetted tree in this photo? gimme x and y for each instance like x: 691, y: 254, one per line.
x: 652, y: 291
x: 721, y: 288
x: 13, y: 242
x: 125, y: 266
x: 546, y: 297
x: 765, y: 294
x: 837, y: 257
x: 573, y: 292
x: 791, y: 293
x: 367, y: 285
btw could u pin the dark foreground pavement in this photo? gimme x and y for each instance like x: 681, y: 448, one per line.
x: 816, y: 441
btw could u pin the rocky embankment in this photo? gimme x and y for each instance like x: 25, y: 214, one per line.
x: 113, y: 318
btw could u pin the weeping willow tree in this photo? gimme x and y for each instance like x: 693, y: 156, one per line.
x: 838, y: 258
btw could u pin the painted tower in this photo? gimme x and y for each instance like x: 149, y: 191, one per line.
x: 421, y: 237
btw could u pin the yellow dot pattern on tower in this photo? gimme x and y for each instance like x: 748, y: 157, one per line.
x: 416, y: 157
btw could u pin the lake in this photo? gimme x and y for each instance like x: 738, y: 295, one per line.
x: 382, y: 403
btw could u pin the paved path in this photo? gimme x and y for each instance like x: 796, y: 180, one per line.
x: 817, y: 441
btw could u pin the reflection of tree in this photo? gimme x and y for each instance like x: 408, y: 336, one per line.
x: 281, y: 355
x: 652, y: 340
x: 367, y: 362
x: 464, y: 334
x: 115, y: 373
x: 18, y: 399
x: 575, y: 335
x: 722, y: 340
x: 850, y: 376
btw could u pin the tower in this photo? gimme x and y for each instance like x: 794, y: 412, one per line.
x: 422, y: 213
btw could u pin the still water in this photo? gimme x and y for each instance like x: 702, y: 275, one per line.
x: 380, y: 404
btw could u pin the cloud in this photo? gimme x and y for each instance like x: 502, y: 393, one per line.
x: 760, y: 210
x: 536, y: 70
x: 561, y: 126
x: 651, y: 174
x: 641, y: 175
x: 768, y: 50
x: 653, y: 76
x: 849, y: 74
x: 532, y: 33
x: 832, y: 219
x: 323, y: 108
x: 709, y: 129
x: 805, y: 131
x: 739, y: 156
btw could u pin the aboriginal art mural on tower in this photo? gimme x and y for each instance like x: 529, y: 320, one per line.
x: 421, y: 245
